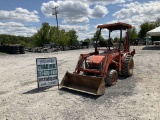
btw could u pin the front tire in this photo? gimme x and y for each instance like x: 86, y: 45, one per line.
x: 111, y: 78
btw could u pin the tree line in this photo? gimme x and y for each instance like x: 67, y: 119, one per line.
x: 46, y: 34
x: 133, y: 34
x: 61, y: 37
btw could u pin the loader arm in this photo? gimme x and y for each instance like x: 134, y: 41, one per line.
x: 107, y: 62
x: 96, y: 50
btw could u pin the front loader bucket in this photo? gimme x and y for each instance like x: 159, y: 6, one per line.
x: 82, y: 83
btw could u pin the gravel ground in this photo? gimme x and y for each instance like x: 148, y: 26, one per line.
x: 133, y: 98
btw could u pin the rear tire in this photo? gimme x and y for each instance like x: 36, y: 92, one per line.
x: 128, y: 64
x: 111, y: 78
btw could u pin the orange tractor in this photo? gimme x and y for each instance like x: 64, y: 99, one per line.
x: 101, y: 67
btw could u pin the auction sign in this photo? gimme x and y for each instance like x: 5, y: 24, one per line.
x: 47, y: 72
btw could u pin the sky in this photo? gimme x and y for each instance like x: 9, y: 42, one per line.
x: 25, y: 17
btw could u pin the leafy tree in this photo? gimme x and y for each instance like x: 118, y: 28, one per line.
x: 116, y: 39
x: 49, y: 33
x: 53, y: 35
x: 72, y: 37
x: 132, y: 34
x: 42, y: 36
x: 96, y: 36
x: 145, y: 27
x: 87, y: 40
x: 63, y: 38
x: 157, y: 22
x: 6, y: 40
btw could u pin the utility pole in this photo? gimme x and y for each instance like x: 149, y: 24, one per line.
x: 55, y: 13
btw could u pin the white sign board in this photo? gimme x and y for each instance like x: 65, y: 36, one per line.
x: 47, y: 72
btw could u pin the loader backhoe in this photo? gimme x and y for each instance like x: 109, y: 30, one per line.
x: 97, y: 69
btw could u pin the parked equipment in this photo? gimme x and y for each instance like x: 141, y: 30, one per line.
x: 101, y: 67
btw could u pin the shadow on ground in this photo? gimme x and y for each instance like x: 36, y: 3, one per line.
x: 86, y: 95
x: 36, y: 90
x: 151, y: 47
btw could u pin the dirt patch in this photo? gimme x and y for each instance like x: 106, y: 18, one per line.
x: 136, y: 97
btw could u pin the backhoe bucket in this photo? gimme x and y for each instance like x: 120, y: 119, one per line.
x: 87, y: 84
